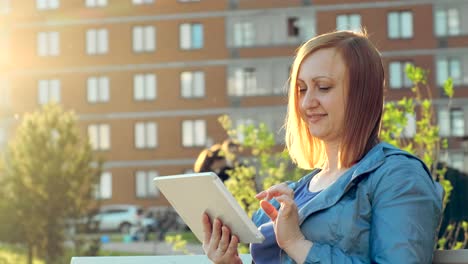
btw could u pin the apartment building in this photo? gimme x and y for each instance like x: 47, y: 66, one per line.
x: 149, y: 78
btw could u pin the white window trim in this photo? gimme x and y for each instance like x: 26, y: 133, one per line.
x: 400, y: 25
x: 47, y: 4
x: 95, y: 3
x: 100, y: 192
x: 190, y: 89
x: 348, y: 24
x: 146, y: 141
x: 149, y: 189
x: 190, y: 136
x: 186, y: 36
x: 48, y: 91
x: 404, y: 81
x: 446, y: 29
x: 144, y: 38
x: 100, y: 86
x: 142, y: 2
x: 48, y: 43
x: 145, y: 87
x: 102, y: 142
x: 97, y: 41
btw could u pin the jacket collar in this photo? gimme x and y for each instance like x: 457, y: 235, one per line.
x: 330, y: 196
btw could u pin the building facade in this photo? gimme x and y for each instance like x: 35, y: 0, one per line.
x: 149, y: 78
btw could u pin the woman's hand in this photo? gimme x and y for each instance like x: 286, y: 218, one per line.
x: 286, y: 221
x: 219, y: 245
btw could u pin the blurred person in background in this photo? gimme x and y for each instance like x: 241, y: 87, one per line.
x: 219, y: 158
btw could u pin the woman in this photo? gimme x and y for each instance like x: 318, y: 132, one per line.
x: 365, y: 201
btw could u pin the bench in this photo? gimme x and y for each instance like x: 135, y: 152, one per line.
x: 440, y: 257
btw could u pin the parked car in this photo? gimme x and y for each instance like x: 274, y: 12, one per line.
x: 120, y: 217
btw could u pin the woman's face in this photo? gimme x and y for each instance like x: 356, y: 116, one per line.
x: 322, y: 87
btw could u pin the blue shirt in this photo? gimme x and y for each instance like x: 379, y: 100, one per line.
x: 268, y: 252
x: 385, y: 209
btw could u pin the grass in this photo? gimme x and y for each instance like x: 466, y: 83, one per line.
x: 116, y: 237
x: 10, y: 254
x: 186, y: 235
x: 13, y: 254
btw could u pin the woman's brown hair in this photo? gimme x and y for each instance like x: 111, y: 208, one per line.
x: 364, y: 103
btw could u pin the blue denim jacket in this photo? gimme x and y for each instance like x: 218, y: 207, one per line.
x: 385, y: 209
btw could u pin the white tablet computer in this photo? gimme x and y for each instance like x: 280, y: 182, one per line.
x: 195, y: 193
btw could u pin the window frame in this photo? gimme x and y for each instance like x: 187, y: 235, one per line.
x: 193, y: 83
x: 148, y: 184
x: 145, y: 140
x: 400, y: 27
x: 100, y: 128
x: 193, y: 132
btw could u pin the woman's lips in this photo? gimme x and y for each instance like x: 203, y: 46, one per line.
x: 314, y: 118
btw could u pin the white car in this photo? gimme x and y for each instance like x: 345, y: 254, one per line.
x: 120, y: 217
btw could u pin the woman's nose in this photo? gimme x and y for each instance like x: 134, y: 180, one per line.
x: 309, y: 100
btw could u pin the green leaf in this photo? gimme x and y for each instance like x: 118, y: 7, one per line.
x: 448, y: 87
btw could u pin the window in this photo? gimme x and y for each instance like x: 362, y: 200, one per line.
x: 244, y: 34
x: 96, y: 3
x: 400, y: 25
x: 142, y: 2
x: 99, y: 136
x: 245, y: 83
x: 447, y: 22
x: 457, y: 161
x: 144, y: 186
x: 192, y: 84
x: 49, y: 91
x: 241, y: 125
x: 397, y: 75
x: 194, y: 133
x: 449, y: 67
x: 293, y: 27
x: 144, y: 87
x: 348, y: 22
x: 97, y: 41
x: 146, y: 135
x: 457, y: 122
x: 48, y: 43
x: 98, y: 89
x: 47, y: 4
x: 451, y: 122
x: 191, y: 36
x: 104, y: 187
x: 144, y: 38
x: 410, y: 129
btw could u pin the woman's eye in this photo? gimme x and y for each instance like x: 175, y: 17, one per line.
x: 301, y: 89
x: 324, y: 88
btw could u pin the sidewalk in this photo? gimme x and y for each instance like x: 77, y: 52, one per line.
x: 150, y: 248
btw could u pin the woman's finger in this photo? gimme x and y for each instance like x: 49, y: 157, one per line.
x: 206, y: 228
x: 232, y: 248
x: 269, y: 209
x: 278, y: 190
x: 215, y: 234
x: 287, y: 204
x: 224, y: 242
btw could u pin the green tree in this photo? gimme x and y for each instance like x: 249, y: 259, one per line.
x: 426, y: 143
x: 49, y: 174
